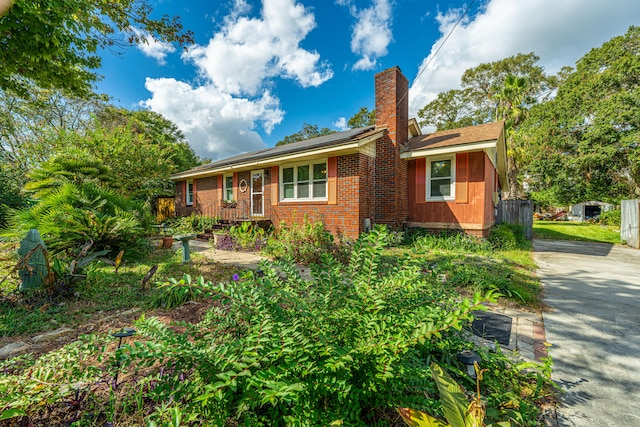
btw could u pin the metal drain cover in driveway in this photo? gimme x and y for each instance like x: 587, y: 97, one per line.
x: 492, y: 326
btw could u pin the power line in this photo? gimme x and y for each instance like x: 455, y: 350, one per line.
x: 464, y: 13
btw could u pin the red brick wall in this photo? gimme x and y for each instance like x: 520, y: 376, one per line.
x: 207, y: 193
x: 392, y: 110
x: 346, y: 217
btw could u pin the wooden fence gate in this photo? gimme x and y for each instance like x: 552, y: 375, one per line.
x: 165, y: 209
x: 519, y: 212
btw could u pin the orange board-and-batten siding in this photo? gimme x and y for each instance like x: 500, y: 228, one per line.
x: 476, y: 178
x: 466, y: 212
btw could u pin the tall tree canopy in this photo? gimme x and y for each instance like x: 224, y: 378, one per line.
x: 500, y: 90
x: 54, y: 43
x: 307, y: 132
x: 362, y: 118
x: 585, y: 143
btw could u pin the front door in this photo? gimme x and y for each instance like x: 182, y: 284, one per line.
x: 257, y: 192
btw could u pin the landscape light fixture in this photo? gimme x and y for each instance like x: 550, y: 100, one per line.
x: 469, y: 358
x: 124, y: 333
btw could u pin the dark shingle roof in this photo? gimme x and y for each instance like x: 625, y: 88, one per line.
x: 324, y: 141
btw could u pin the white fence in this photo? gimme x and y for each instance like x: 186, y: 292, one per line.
x: 630, y: 223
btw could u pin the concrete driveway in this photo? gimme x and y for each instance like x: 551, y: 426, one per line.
x: 593, y: 291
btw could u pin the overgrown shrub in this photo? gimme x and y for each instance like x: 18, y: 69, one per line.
x: 454, y: 241
x: 248, y: 236
x: 194, y: 223
x: 70, y: 215
x: 305, y: 243
x: 350, y: 345
x: 507, y: 237
x: 612, y: 217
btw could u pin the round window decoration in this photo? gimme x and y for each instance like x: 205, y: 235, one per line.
x: 243, y: 186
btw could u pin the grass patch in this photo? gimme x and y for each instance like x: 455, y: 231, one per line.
x: 471, y: 265
x: 576, y: 231
x: 103, y: 291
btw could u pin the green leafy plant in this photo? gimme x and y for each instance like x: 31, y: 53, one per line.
x: 612, y: 217
x: 458, y: 411
x: 304, y: 243
x: 194, y: 223
x: 350, y: 345
x: 452, y: 241
x: 173, y: 293
x: 248, y: 236
x: 71, y: 214
x: 507, y: 237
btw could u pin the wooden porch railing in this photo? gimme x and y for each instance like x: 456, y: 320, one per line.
x: 236, y: 212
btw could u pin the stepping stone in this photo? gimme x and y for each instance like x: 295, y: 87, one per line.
x: 53, y: 335
x: 14, y: 349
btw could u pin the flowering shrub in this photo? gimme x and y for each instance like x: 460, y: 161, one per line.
x: 305, y: 243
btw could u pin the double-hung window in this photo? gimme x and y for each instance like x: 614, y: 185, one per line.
x: 189, y: 195
x: 441, y: 179
x: 306, y: 181
x: 228, y: 188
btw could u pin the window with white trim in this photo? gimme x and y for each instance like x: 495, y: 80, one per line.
x: 441, y: 179
x: 307, y: 181
x: 189, y: 196
x: 228, y: 188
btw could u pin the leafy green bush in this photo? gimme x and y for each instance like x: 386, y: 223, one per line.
x: 349, y: 346
x: 248, y: 236
x: 194, y: 223
x: 452, y: 241
x: 70, y: 215
x: 304, y: 243
x: 173, y: 293
x: 612, y: 217
x: 507, y: 237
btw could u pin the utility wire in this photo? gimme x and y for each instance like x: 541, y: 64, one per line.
x: 464, y: 13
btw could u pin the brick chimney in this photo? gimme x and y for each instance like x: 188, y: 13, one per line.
x: 392, y: 114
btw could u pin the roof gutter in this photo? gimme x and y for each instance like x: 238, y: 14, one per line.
x: 430, y: 152
x: 253, y: 164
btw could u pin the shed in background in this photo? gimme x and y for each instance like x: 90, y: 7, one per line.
x: 588, y: 210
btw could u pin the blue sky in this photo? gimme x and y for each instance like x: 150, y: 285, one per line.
x: 260, y: 69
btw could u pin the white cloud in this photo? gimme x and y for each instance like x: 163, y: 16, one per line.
x: 256, y: 49
x: 341, y: 124
x: 154, y: 48
x: 217, y: 124
x: 559, y: 32
x: 237, y: 67
x: 372, y: 32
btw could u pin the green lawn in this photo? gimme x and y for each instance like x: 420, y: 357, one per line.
x: 561, y: 230
x: 103, y: 293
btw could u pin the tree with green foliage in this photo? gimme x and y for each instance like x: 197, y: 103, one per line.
x: 500, y: 90
x: 26, y: 123
x: 307, y: 132
x: 158, y: 130
x: 54, y: 43
x: 362, y: 118
x: 585, y: 143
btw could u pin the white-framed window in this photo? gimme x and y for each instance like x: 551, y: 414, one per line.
x: 304, y: 181
x: 227, y: 182
x: 441, y: 178
x: 189, y: 196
